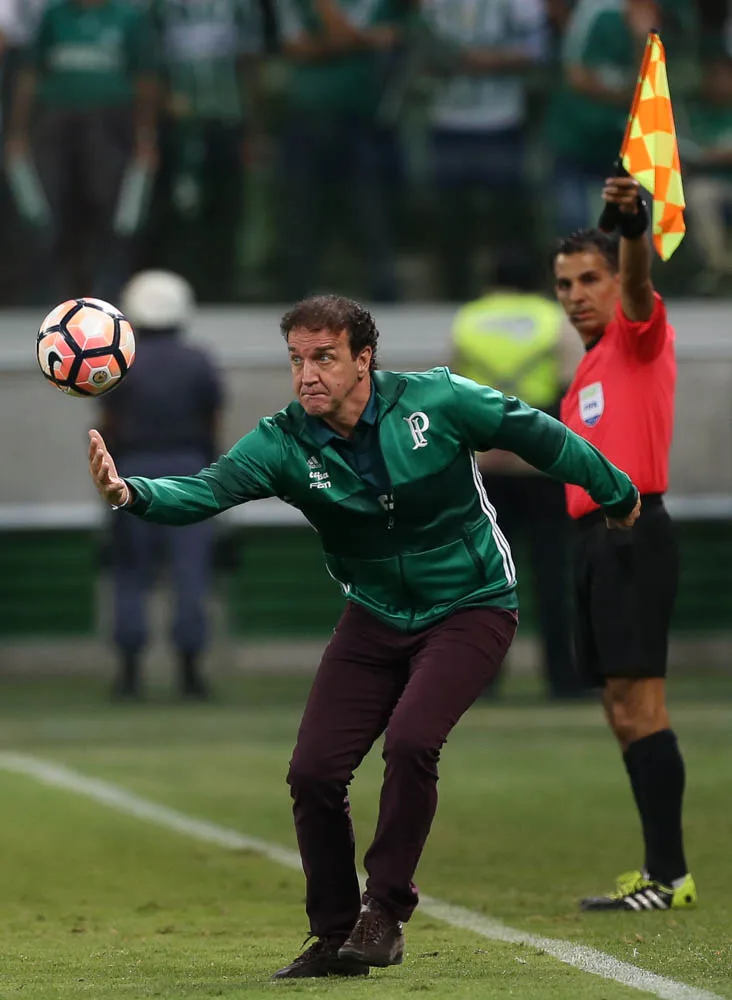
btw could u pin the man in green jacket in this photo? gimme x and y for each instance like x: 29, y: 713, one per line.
x: 382, y: 464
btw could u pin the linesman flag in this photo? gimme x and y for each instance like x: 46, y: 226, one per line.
x: 650, y: 152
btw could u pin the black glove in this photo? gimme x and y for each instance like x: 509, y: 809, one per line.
x: 609, y: 220
x: 631, y: 227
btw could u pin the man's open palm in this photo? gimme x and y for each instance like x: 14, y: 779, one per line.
x: 103, y: 471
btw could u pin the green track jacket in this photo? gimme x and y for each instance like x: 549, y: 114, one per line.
x: 432, y: 544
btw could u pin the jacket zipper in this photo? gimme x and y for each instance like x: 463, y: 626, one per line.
x: 391, y: 515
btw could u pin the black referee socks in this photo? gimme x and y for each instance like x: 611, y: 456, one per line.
x: 656, y: 771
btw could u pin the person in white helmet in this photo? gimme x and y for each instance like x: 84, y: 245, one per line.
x: 163, y: 418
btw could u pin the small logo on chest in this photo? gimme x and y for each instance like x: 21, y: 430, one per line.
x: 418, y: 424
x: 320, y: 479
x: 591, y: 403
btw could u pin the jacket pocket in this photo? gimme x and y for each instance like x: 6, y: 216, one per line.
x: 476, y: 557
x: 377, y: 581
x: 337, y: 571
x: 439, y: 577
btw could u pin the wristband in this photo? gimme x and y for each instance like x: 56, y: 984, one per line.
x: 125, y: 502
x: 608, y: 221
x: 632, y: 227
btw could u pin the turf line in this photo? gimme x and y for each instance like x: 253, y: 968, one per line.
x: 579, y: 956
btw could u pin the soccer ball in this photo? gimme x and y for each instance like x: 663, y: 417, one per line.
x: 85, y: 347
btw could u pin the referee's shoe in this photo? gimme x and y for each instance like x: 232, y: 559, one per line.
x: 635, y: 891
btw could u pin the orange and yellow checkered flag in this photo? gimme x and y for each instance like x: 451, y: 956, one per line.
x: 650, y: 152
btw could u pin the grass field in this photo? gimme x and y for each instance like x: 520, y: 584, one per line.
x: 534, y: 813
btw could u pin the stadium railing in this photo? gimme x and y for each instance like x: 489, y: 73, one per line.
x: 276, y: 514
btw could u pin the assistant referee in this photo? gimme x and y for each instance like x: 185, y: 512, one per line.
x: 622, y: 401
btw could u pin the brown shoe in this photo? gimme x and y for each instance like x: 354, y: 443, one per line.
x: 321, y: 959
x: 377, y: 938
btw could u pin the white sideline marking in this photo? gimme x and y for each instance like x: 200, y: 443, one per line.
x: 579, y: 956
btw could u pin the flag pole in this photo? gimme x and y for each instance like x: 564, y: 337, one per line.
x: 609, y: 221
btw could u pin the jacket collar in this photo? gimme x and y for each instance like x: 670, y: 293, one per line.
x: 388, y: 386
x: 323, y: 434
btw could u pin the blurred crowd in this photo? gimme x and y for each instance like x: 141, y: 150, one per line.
x: 392, y: 149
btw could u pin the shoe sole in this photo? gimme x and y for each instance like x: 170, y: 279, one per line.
x: 359, y: 957
x: 594, y: 908
x: 602, y: 908
x: 351, y: 966
x: 345, y: 970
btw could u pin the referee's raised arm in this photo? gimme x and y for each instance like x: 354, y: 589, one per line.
x: 636, y: 288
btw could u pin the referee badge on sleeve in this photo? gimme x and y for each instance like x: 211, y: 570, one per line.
x: 591, y: 403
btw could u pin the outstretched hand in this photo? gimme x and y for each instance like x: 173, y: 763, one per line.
x: 627, y: 522
x: 103, y: 471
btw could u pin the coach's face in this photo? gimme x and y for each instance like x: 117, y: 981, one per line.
x: 324, y: 372
x: 588, y: 290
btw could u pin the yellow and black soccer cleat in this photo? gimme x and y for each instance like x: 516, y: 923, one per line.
x: 635, y: 891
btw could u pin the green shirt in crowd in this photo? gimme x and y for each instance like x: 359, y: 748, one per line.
x: 589, y: 131
x: 488, y: 101
x: 709, y: 125
x: 430, y: 543
x: 581, y: 128
x: 346, y: 84
x: 202, y: 46
x: 89, y: 56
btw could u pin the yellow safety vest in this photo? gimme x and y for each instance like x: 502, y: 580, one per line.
x: 509, y: 341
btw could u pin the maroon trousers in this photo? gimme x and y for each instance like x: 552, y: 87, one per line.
x: 415, y: 687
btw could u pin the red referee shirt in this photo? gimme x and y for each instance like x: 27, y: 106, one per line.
x: 622, y: 400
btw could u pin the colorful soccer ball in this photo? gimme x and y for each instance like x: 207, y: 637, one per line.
x: 85, y: 347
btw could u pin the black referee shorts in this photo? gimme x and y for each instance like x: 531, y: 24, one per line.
x: 624, y: 591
